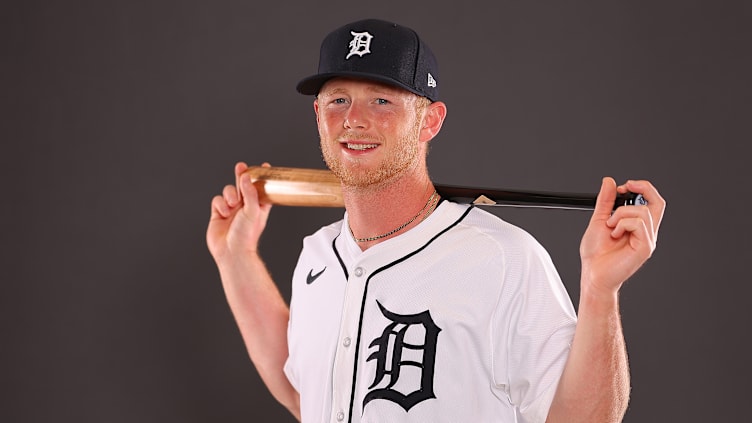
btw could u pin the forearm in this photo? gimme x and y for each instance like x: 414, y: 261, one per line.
x: 595, y: 384
x: 262, y: 316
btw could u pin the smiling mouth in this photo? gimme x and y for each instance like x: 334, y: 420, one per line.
x: 360, y: 146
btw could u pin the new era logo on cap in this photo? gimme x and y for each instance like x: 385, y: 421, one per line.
x: 376, y: 50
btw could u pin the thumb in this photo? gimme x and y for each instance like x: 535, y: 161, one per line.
x: 604, y: 204
x: 254, y: 203
x: 248, y: 191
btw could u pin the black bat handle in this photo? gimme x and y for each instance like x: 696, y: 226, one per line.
x: 630, y: 199
x: 532, y: 198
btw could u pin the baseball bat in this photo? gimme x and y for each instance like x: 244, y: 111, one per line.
x: 300, y: 187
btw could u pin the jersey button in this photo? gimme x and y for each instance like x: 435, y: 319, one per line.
x: 340, y: 416
x: 359, y: 271
x: 347, y: 341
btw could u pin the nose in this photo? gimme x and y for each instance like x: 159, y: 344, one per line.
x: 355, y: 118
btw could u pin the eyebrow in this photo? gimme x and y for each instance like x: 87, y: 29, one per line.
x: 375, y: 88
x: 331, y: 91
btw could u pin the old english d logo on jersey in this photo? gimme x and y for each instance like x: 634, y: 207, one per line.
x: 394, y: 356
x: 360, y: 44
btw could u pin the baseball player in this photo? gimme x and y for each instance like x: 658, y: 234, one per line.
x: 413, y: 308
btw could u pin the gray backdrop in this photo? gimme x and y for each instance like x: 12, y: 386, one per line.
x: 120, y: 121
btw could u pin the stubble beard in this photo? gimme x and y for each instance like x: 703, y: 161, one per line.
x: 353, y: 174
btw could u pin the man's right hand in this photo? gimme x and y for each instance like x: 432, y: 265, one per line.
x: 237, y: 219
x: 236, y: 223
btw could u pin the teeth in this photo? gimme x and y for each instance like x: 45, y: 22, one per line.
x: 353, y: 146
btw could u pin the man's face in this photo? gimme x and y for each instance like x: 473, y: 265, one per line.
x: 370, y: 132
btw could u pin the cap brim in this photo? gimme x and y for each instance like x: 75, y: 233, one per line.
x: 312, y: 85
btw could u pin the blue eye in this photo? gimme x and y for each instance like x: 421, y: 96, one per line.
x: 339, y: 101
x: 382, y: 101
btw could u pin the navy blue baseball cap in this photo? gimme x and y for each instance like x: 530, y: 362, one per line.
x: 376, y: 50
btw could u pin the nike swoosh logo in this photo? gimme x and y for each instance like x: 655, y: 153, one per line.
x: 311, y: 277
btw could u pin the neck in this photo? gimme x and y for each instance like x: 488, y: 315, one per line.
x: 375, y: 211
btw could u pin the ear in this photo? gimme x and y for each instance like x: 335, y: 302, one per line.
x: 433, y: 118
x: 316, y: 109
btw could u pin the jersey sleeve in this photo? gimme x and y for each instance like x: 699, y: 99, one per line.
x: 532, y: 329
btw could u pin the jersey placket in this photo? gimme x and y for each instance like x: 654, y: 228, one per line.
x: 343, y: 376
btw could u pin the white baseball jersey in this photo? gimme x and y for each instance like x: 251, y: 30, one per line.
x: 460, y: 319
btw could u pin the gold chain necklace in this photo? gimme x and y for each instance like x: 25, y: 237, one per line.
x: 433, y: 200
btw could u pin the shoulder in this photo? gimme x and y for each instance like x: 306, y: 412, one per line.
x: 479, y: 236
x: 324, y: 236
x: 496, y: 233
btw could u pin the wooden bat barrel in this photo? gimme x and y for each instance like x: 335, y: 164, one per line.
x: 287, y: 186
